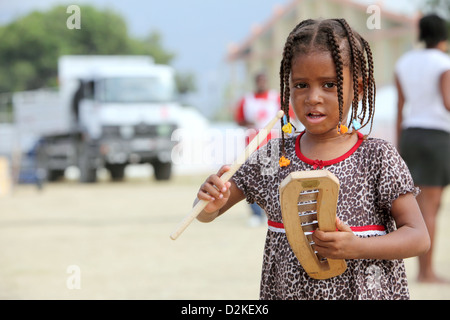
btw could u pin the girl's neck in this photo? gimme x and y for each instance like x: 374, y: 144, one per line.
x: 326, y: 148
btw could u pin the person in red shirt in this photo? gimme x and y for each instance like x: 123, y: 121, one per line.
x: 254, y: 111
x: 257, y: 108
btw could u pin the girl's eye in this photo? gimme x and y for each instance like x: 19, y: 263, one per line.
x: 330, y: 85
x: 300, y: 85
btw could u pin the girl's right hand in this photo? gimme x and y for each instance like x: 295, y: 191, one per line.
x: 215, y: 191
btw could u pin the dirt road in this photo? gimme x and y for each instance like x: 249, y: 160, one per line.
x: 111, y: 241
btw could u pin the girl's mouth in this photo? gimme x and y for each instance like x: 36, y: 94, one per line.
x: 315, y: 117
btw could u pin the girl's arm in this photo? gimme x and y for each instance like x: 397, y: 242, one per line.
x: 410, y: 239
x: 221, y: 196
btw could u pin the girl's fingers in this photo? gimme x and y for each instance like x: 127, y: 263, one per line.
x: 320, y: 236
x: 217, y: 183
x: 214, y: 189
x: 222, y: 170
x: 202, y: 195
x: 341, y: 226
x: 210, y: 190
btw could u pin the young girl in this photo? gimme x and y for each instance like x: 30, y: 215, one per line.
x: 324, y: 75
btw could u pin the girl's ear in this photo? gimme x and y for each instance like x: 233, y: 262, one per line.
x: 360, y: 89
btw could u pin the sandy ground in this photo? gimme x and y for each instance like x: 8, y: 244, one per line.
x: 111, y: 241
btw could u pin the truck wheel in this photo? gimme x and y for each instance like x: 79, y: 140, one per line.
x: 86, y: 162
x: 54, y: 175
x: 87, y: 173
x: 117, y: 171
x: 163, y: 170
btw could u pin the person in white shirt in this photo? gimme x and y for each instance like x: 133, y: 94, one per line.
x: 423, y: 124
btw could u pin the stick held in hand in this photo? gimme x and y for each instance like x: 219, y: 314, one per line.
x: 252, y: 146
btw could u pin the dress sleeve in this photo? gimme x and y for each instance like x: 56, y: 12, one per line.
x: 256, y: 172
x: 394, y: 178
x: 244, y: 178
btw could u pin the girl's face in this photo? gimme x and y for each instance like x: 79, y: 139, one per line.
x: 314, y: 96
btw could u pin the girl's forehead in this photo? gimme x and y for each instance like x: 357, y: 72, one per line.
x: 314, y: 61
x: 313, y: 56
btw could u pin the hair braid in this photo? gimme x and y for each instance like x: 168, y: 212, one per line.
x: 365, y: 84
x: 285, y: 71
x: 355, y: 64
x: 337, y: 58
x: 371, y: 83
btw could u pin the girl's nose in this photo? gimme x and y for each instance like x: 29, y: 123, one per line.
x: 313, y: 97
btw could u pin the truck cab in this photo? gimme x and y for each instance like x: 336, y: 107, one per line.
x: 124, y: 115
x: 111, y: 111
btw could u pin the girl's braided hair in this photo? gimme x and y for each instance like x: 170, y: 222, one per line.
x: 347, y: 48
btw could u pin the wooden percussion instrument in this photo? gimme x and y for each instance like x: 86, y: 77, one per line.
x: 309, y: 201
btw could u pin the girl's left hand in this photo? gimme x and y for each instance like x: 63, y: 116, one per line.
x: 340, y: 244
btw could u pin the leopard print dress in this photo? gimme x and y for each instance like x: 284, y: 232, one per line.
x: 372, y: 174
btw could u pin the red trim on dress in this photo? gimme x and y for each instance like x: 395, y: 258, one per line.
x: 373, y: 227
x: 320, y: 163
x: 275, y: 224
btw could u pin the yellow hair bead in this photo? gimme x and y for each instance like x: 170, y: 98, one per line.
x: 284, y: 162
x: 287, y: 128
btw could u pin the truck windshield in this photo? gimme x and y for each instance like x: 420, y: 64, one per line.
x: 140, y: 89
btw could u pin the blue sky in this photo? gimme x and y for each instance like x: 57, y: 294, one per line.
x: 198, y: 31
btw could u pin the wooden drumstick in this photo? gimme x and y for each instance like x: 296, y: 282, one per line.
x: 252, y: 146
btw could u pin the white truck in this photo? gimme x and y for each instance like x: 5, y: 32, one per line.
x: 109, y: 111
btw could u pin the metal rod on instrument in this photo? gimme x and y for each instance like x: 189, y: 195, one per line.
x: 252, y: 146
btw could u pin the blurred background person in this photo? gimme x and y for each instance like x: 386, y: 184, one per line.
x: 423, y: 124
x: 254, y: 111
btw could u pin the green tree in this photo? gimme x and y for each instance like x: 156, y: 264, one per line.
x: 30, y: 46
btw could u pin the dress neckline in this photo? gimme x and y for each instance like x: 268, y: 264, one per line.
x: 319, y: 163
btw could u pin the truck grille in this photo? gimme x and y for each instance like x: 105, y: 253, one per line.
x: 140, y: 130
